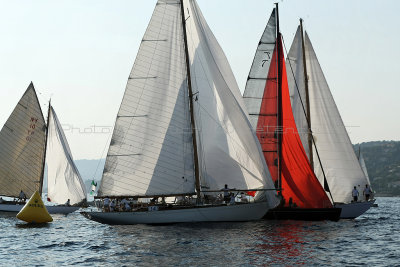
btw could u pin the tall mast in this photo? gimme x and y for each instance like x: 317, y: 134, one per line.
x: 45, y: 148
x: 279, y: 111
x: 311, y: 140
x: 309, y: 135
x: 195, y: 154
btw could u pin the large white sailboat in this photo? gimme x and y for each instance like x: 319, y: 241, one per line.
x: 181, y: 131
x: 23, y: 141
x: 315, y: 112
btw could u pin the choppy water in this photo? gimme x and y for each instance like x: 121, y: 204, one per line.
x: 373, y: 239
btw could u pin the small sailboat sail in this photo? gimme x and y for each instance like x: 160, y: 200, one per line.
x: 181, y: 128
x: 64, y: 181
x: 22, y: 142
x: 339, y: 161
x: 363, y: 165
x: 275, y: 124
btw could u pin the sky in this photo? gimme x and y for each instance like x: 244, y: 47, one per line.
x: 80, y: 54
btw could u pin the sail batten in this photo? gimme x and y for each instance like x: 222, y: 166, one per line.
x: 22, y: 140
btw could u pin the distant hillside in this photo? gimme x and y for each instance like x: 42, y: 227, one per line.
x: 382, y: 159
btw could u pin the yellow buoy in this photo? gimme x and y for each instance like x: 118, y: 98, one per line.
x: 34, y: 211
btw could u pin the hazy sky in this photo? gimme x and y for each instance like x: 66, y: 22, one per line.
x: 81, y: 52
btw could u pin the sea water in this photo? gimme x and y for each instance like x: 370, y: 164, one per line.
x: 372, y: 239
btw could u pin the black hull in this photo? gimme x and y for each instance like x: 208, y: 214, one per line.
x: 332, y: 214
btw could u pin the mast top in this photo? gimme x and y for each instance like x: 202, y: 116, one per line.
x: 277, y: 19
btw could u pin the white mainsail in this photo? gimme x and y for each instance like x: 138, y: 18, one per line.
x: 22, y: 141
x: 151, y: 151
x: 63, y: 179
x: 254, y: 91
x: 336, y: 152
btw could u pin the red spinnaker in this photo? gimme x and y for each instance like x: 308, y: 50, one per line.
x: 298, y: 179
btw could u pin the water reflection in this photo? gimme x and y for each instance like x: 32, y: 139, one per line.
x: 73, y: 240
x: 32, y: 225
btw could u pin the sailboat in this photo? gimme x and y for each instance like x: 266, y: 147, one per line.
x: 23, y: 142
x: 318, y: 118
x: 363, y: 165
x: 181, y: 131
x: 268, y: 102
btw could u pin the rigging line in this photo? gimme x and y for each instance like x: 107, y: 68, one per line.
x: 308, y: 122
x: 101, y: 156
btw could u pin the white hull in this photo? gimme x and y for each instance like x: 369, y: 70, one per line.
x: 230, y: 213
x: 50, y: 209
x: 354, y: 209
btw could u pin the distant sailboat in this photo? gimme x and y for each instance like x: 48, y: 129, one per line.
x: 268, y: 103
x: 338, y: 162
x: 363, y: 165
x: 23, y: 142
x: 181, y: 130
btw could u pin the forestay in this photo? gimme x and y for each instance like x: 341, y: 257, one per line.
x: 22, y: 140
x: 228, y: 148
x: 336, y: 152
x: 64, y: 181
x: 151, y: 150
